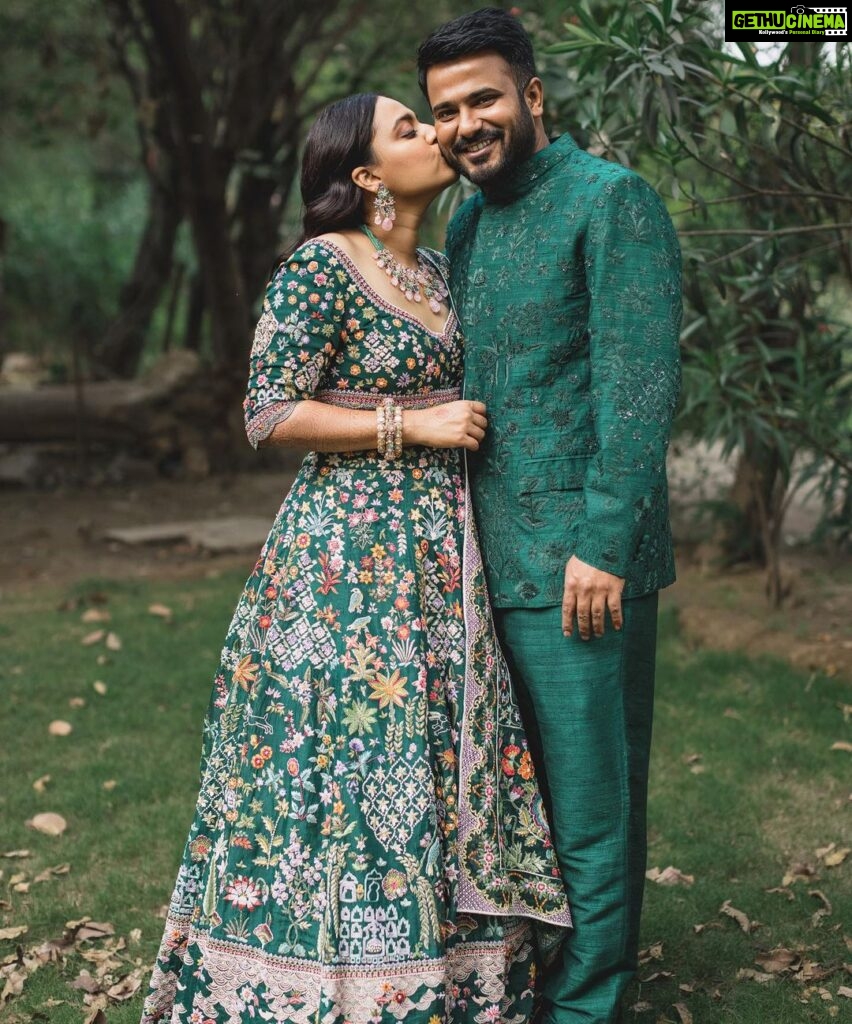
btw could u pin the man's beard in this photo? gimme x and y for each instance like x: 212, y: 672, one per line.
x: 519, y: 148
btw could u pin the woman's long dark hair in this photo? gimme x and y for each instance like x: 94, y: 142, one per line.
x: 340, y: 140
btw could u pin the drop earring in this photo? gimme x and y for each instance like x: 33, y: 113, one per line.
x: 385, y: 208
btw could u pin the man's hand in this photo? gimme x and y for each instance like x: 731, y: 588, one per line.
x: 588, y: 593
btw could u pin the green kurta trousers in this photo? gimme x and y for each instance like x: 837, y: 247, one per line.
x: 588, y: 707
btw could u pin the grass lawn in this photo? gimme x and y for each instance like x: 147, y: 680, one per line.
x: 744, y: 786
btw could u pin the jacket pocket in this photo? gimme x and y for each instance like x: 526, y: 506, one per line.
x: 561, y: 473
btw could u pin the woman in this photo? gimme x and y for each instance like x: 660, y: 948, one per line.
x: 369, y: 842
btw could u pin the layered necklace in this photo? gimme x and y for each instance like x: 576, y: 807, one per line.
x: 414, y: 284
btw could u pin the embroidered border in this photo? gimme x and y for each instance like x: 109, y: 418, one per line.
x: 372, y: 399
x: 296, y: 990
x: 490, y: 888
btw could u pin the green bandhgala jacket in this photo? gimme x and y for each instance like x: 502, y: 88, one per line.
x: 568, y: 285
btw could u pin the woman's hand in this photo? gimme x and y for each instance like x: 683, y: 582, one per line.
x: 459, y: 424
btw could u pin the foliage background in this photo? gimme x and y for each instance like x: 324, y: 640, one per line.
x: 148, y: 178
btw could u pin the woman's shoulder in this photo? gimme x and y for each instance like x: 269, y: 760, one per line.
x: 323, y: 260
x: 323, y: 247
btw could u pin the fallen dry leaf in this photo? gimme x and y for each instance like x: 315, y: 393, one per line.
x: 741, y: 918
x: 14, y: 932
x: 699, y: 928
x: 747, y: 974
x: 86, y: 982
x: 54, y: 872
x: 653, y: 952
x: 102, y: 659
x: 77, y: 702
x: 95, y: 615
x: 824, y: 910
x: 93, y: 638
x: 87, y: 929
x: 16, y: 853
x: 836, y: 857
x: 113, y: 642
x: 776, y: 961
x: 15, y: 977
x: 669, y: 876
x: 127, y: 987
x: 657, y: 976
x: 162, y: 611
x: 783, y: 891
x: 99, y: 687
x: 842, y: 745
x: 683, y: 1013
x: 799, y: 872
x: 49, y: 823
x: 110, y: 784
x: 135, y: 935
x: 845, y: 991
x: 97, y: 1004
x: 60, y: 728
x: 810, y: 970
x: 732, y: 713
x: 641, y: 1007
x: 847, y: 711
x: 40, y: 783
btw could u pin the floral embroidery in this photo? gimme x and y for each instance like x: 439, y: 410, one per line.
x: 357, y: 851
x: 575, y: 353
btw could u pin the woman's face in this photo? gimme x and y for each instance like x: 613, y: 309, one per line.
x: 408, y: 158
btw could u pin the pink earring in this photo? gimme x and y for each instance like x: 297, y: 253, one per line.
x: 385, y: 208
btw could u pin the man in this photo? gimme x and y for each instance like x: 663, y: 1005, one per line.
x: 566, y: 275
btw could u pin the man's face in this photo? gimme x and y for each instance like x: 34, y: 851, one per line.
x: 485, y: 126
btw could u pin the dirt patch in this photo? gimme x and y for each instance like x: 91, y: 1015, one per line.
x: 55, y: 539
x: 51, y: 540
x: 729, y: 611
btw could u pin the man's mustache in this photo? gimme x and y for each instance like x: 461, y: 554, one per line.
x: 486, y: 135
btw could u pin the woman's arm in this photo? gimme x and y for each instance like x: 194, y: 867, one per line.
x: 317, y: 426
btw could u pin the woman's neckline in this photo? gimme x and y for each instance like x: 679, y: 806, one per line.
x: 377, y: 296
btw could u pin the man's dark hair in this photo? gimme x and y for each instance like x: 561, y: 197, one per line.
x: 487, y: 29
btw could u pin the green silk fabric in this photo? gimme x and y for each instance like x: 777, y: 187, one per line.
x: 588, y: 707
x: 567, y: 283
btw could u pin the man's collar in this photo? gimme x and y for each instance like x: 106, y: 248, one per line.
x: 526, y: 176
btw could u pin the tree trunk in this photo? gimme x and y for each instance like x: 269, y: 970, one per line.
x: 194, y: 314
x: 204, y: 174
x: 2, y: 287
x: 178, y: 413
x: 754, y: 501
x: 120, y: 350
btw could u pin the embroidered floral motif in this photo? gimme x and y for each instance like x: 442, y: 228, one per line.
x: 575, y: 353
x: 358, y: 851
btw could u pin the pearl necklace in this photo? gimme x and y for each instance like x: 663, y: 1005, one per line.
x: 414, y: 284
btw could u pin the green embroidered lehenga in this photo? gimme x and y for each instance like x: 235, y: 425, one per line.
x: 369, y: 842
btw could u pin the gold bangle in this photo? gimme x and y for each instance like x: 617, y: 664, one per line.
x: 380, y: 430
x: 390, y: 419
